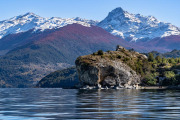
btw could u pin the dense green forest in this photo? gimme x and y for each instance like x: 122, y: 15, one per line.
x: 162, y: 69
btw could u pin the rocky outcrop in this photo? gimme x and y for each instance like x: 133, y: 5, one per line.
x: 107, y: 73
x: 109, y: 70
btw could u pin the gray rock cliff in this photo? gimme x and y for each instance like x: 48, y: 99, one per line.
x: 108, y: 70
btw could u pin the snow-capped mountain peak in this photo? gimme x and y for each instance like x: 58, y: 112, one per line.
x: 118, y: 10
x: 23, y: 23
x: 91, y: 22
x: 27, y: 16
x: 136, y: 27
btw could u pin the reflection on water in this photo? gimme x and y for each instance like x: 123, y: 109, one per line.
x: 37, y: 104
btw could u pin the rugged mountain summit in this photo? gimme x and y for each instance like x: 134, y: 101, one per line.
x: 132, y: 27
x: 19, y: 30
x: 147, y: 31
x: 23, y: 23
x: 135, y: 27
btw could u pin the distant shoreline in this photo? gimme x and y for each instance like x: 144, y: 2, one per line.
x: 160, y: 88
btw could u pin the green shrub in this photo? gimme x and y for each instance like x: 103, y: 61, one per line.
x: 100, y: 52
x: 119, y: 56
x: 131, y: 50
x: 94, y: 53
x: 158, y: 59
x: 171, y: 60
x: 126, y: 59
x: 150, y: 79
x: 151, y: 57
x: 169, y: 74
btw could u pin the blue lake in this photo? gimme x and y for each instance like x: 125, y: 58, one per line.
x: 59, y: 104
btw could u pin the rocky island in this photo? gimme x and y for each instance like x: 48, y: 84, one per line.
x: 111, y: 69
x: 116, y: 69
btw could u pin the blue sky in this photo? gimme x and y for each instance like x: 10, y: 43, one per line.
x: 164, y: 10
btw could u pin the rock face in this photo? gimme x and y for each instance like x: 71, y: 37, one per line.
x: 107, y: 70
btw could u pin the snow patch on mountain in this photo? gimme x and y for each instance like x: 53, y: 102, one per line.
x: 135, y: 27
x: 29, y: 21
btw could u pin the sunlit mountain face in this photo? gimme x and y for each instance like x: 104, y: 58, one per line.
x: 136, y: 27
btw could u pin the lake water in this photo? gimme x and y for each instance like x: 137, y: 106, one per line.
x: 59, y: 104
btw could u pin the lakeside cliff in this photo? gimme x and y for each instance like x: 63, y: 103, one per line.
x: 110, y: 69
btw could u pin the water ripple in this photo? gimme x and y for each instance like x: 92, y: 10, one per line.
x: 56, y: 104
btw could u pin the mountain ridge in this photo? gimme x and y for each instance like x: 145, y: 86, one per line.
x: 136, y: 27
x: 131, y: 27
x: 23, y: 23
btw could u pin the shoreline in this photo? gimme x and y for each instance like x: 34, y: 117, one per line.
x: 160, y: 88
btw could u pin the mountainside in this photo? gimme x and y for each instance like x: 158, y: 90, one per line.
x: 164, y: 44
x: 173, y: 54
x: 66, y: 78
x: 23, y: 23
x: 19, y: 30
x: 135, y: 27
x: 149, y: 33
x: 52, y: 50
x: 12, y: 41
